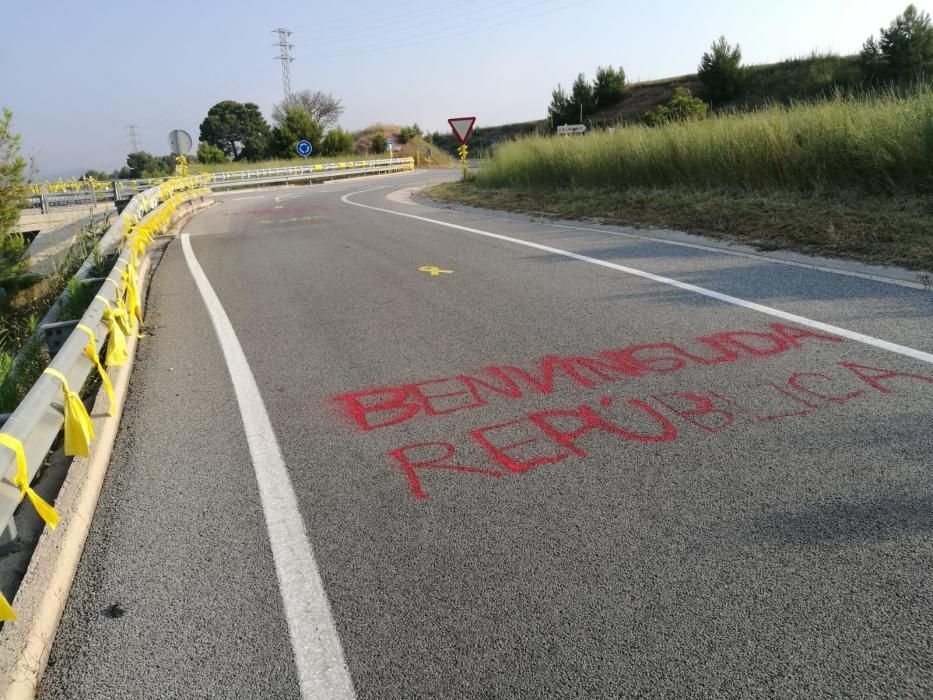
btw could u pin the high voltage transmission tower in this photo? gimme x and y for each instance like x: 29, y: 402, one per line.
x: 285, y: 57
x: 132, y: 137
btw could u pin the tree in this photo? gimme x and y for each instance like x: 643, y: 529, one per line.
x: 609, y: 86
x: 323, y: 107
x: 237, y: 129
x: 581, y: 95
x: 559, y: 109
x: 682, y: 107
x: 572, y: 109
x: 93, y: 174
x: 903, y: 50
x: 296, y: 125
x: 409, y: 132
x: 337, y: 142
x: 872, y: 60
x: 210, y: 154
x: 12, y: 175
x: 379, y: 144
x: 721, y: 71
x: 141, y: 164
x: 14, y: 249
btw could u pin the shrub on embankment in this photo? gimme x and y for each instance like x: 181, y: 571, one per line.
x: 879, y: 145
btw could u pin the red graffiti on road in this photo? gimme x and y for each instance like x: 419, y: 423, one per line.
x: 372, y: 409
x: 566, y: 432
x: 554, y: 436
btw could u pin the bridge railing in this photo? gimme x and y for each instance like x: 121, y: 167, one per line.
x: 76, y: 193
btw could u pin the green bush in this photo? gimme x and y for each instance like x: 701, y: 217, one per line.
x: 682, y: 107
x: 880, y: 145
x: 379, y: 144
x: 296, y: 125
x: 210, y: 154
x: 337, y: 142
x: 14, y: 266
x: 409, y: 132
x: 721, y: 71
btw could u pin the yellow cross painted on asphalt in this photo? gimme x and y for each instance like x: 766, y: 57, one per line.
x: 434, y: 270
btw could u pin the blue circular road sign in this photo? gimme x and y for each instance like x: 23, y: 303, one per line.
x: 303, y: 148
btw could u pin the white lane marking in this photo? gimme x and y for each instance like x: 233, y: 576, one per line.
x: 322, y: 671
x: 761, y: 257
x: 761, y: 308
x: 243, y: 199
x: 280, y: 197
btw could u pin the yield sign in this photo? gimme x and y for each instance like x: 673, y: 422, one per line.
x: 462, y: 127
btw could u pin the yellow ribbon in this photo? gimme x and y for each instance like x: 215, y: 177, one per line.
x: 21, y: 481
x: 117, y: 353
x: 132, y: 293
x: 122, y: 315
x: 7, y: 614
x: 91, y: 351
x: 79, y: 431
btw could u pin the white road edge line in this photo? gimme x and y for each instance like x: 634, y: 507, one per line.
x: 761, y: 308
x: 760, y: 257
x: 322, y: 671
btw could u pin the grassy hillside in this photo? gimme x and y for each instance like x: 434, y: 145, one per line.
x: 783, y: 83
x: 848, y: 176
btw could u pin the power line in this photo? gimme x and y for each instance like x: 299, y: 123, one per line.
x: 438, y: 21
x: 436, y: 11
x: 286, y: 58
x: 132, y: 137
x: 447, y: 35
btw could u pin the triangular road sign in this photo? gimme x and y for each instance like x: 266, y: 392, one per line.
x: 462, y: 127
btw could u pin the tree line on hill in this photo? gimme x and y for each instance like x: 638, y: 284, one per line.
x: 903, y: 53
x: 237, y: 131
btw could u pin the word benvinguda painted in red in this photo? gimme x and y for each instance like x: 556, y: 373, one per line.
x: 552, y: 436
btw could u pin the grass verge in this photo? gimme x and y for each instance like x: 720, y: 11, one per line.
x: 878, y: 230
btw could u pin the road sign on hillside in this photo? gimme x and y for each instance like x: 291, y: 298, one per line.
x: 568, y: 129
x: 462, y: 127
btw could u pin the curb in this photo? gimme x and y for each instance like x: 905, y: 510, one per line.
x: 44, y: 591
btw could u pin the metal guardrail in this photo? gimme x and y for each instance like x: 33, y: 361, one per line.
x: 71, y: 194
x: 38, y: 419
x: 91, y: 192
x: 318, y: 171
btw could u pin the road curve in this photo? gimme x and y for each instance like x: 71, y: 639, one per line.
x: 382, y: 449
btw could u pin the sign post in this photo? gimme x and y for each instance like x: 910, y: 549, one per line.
x: 303, y: 148
x: 389, y: 146
x: 180, y: 142
x: 462, y: 128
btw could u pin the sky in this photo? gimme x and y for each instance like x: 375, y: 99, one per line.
x: 75, y: 74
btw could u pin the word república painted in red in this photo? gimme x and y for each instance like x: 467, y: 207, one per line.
x: 372, y: 409
x: 553, y: 436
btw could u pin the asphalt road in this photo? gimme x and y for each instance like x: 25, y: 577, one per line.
x: 531, y: 476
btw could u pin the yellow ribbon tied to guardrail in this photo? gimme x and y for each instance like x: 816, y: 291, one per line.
x: 122, y: 316
x: 79, y: 431
x: 133, y: 306
x: 91, y: 351
x: 117, y: 353
x: 21, y: 481
x: 45, y: 511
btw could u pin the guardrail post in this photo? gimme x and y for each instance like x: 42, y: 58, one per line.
x: 116, y: 191
x: 43, y: 200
